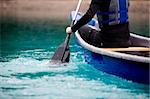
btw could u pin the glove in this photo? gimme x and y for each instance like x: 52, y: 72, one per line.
x: 68, y: 30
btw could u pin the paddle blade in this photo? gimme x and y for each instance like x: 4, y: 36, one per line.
x: 66, y: 56
x: 62, y: 54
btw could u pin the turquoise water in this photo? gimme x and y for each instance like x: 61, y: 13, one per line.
x: 27, y: 46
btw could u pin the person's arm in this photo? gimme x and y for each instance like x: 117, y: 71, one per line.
x: 87, y: 16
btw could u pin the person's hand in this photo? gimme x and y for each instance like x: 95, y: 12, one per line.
x: 68, y: 30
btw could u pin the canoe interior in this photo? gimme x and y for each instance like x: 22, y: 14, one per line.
x: 138, y: 53
x: 136, y: 41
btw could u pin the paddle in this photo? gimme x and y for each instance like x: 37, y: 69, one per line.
x: 62, y: 54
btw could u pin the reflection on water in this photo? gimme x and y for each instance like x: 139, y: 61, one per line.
x: 28, y: 35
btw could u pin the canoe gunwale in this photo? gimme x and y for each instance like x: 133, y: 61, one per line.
x: 119, y: 55
x: 140, y: 37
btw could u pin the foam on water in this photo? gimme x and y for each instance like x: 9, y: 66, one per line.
x: 27, y: 77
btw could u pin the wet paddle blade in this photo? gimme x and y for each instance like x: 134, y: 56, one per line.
x: 62, y: 54
x: 66, y: 57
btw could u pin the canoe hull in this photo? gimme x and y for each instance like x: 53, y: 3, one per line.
x: 130, y: 66
x: 130, y: 70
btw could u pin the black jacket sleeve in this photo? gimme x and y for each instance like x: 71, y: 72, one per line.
x: 94, y: 6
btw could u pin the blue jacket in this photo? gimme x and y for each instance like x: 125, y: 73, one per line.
x: 113, y: 21
x: 113, y: 12
x: 109, y: 12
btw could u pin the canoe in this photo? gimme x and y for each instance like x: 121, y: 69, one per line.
x: 128, y: 63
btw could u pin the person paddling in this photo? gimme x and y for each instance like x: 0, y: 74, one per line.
x: 113, y: 21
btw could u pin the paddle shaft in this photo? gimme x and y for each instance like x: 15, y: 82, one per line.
x: 72, y: 23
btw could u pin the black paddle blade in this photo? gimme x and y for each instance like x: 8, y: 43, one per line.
x: 62, y: 54
x: 66, y: 56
